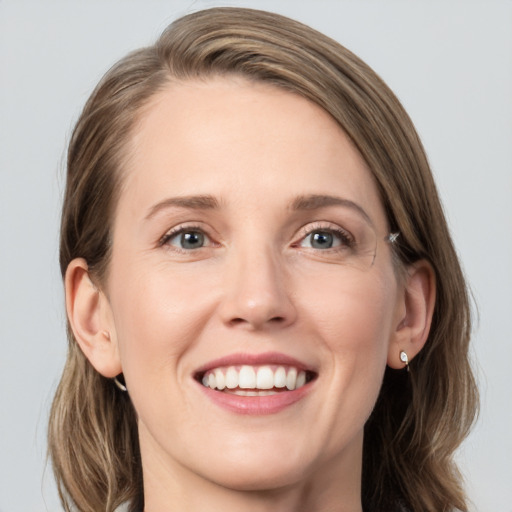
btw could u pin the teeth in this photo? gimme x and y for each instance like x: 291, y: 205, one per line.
x: 280, y: 378
x: 254, y: 381
x: 220, y: 380
x: 247, y: 378
x: 301, y: 380
x: 231, y: 378
x: 245, y: 392
x: 265, y: 378
x: 291, y: 379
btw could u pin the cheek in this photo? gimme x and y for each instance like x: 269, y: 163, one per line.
x: 354, y: 318
x: 157, y: 320
x: 354, y: 311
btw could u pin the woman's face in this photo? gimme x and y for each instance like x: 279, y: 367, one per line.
x: 249, y: 258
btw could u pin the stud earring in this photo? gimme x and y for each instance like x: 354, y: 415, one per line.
x: 119, y: 384
x: 404, y: 359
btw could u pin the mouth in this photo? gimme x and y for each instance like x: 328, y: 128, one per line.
x: 255, y: 380
x: 255, y: 384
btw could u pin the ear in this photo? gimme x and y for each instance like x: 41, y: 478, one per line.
x: 91, y: 319
x: 414, y: 313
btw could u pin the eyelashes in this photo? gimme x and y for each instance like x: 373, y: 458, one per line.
x: 320, y: 237
x: 323, y: 237
x: 186, y: 238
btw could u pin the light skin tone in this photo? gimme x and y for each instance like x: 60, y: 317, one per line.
x: 248, y: 173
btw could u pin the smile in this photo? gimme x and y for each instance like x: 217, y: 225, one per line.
x: 255, y: 384
x: 256, y: 380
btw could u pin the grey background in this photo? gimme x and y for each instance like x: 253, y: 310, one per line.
x: 449, y: 62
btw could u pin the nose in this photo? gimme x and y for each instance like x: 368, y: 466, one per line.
x: 256, y: 295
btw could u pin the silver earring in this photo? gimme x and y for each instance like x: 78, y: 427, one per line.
x: 404, y: 359
x: 119, y: 385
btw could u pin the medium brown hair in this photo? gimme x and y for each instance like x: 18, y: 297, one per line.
x: 421, y: 417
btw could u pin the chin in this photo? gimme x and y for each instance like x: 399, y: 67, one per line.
x: 261, y: 477
x: 265, y: 458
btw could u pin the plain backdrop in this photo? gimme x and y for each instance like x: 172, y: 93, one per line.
x: 450, y: 63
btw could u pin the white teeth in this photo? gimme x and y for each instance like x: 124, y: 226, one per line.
x: 231, y: 378
x: 291, y: 379
x: 265, y: 378
x: 280, y: 378
x: 247, y: 378
x: 220, y: 380
x: 301, y: 380
x: 245, y: 392
x: 259, y: 379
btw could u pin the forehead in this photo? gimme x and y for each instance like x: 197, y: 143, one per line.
x: 242, y: 142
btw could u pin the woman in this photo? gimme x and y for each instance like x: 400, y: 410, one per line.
x: 264, y: 302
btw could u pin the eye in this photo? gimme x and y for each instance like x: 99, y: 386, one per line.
x: 186, y: 239
x: 326, y: 238
x: 319, y: 240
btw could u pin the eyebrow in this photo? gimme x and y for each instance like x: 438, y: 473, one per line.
x: 317, y: 201
x: 200, y: 202
x: 303, y: 202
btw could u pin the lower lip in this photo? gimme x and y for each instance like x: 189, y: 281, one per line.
x: 256, y: 405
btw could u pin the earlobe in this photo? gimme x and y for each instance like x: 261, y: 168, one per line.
x: 90, y: 318
x: 415, y: 315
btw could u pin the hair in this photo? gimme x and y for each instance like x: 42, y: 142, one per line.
x: 420, y: 417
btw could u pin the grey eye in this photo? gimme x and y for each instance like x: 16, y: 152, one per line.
x: 191, y: 240
x: 188, y: 239
x: 322, y: 239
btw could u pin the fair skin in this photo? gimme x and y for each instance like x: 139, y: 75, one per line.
x: 245, y: 174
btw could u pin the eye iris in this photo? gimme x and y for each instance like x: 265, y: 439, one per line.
x: 192, y: 240
x: 322, y: 240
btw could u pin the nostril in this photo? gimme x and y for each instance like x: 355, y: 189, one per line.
x: 273, y: 320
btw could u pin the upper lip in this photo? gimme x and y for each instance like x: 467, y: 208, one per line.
x: 266, y: 358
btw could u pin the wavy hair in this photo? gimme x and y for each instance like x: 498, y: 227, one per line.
x: 421, y: 417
